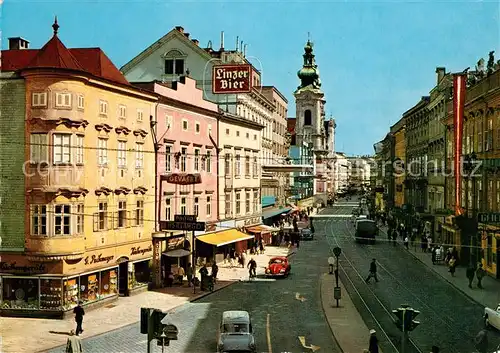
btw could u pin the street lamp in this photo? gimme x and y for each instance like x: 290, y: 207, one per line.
x: 469, y: 166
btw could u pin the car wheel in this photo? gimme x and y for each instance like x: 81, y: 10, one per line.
x: 486, y: 322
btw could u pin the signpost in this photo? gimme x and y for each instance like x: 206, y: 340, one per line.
x: 337, y: 294
x: 232, y: 79
x: 187, y: 223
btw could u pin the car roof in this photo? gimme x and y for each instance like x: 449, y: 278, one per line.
x: 235, y: 315
x: 279, y: 258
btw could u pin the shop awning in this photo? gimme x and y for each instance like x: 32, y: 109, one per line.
x: 177, y: 253
x: 224, y: 237
x: 258, y: 229
x: 274, y: 212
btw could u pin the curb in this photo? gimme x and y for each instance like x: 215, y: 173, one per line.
x: 321, y: 284
x: 191, y: 300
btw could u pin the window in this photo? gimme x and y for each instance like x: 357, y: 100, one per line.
x: 174, y: 66
x: 196, y: 160
x: 39, y: 100
x: 122, y: 112
x: 228, y: 204
x: 63, y: 100
x: 247, y: 203
x: 185, y: 125
x: 237, y: 166
x: 139, y: 155
x: 103, y: 107
x: 209, y: 162
x: 209, y: 130
x: 247, y: 165
x: 255, y: 167
x: 139, y: 213
x: 168, y: 209
x: 168, y: 158
x: 237, y: 134
x: 122, y: 154
x: 248, y: 135
x: 79, y: 149
x: 62, y: 219
x: 80, y: 216
x: 183, y: 205
x: 209, y: 206
x: 140, y: 115
x: 238, y: 203
x: 183, y: 159
x: 255, y: 137
x: 196, y: 206
x: 102, y: 216
x: 81, y: 102
x: 168, y: 119
x: 102, y: 151
x: 227, y: 164
x: 256, y: 200
x: 39, y: 220
x: 197, y: 128
x: 122, y: 214
x: 227, y: 131
x: 307, y: 117
x: 38, y: 148
x: 62, y: 150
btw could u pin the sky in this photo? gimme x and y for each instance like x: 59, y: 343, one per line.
x: 376, y: 59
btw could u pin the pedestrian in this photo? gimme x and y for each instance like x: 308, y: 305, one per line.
x: 180, y: 275
x: 74, y: 344
x: 252, y: 266
x: 405, y: 242
x: 452, y: 264
x: 215, y: 270
x: 480, y: 273
x: 79, y: 312
x: 481, y: 341
x: 189, y: 274
x: 243, y: 259
x: 204, y: 275
x: 433, y: 256
x: 470, y: 273
x: 261, y: 246
x: 373, y: 343
x: 373, y: 271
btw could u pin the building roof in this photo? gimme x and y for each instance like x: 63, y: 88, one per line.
x: 55, y: 55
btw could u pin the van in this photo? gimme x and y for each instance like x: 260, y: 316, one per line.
x: 235, y: 333
x: 366, y: 231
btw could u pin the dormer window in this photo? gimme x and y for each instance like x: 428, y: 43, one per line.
x: 174, y: 63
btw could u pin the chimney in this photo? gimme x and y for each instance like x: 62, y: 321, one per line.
x: 222, y: 40
x: 18, y: 43
x: 186, y: 35
x: 440, y: 71
x: 245, y: 50
x: 196, y: 41
x: 180, y: 29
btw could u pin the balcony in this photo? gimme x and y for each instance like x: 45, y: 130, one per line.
x: 56, y: 176
x: 55, y: 248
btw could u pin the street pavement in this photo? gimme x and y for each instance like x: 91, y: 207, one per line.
x: 278, y: 317
x: 449, y: 318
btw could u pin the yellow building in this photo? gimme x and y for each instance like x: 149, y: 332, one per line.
x: 398, y: 131
x: 90, y: 178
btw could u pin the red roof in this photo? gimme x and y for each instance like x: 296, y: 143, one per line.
x: 55, y: 55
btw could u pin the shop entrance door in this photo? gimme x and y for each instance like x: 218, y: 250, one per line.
x: 123, y: 280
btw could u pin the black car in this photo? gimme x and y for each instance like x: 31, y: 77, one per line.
x: 366, y: 231
x: 306, y: 234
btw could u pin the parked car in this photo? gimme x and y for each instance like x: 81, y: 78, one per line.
x: 278, y: 267
x: 306, y: 234
x: 235, y: 333
x: 492, y: 317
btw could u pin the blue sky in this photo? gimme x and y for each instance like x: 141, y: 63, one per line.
x: 376, y: 58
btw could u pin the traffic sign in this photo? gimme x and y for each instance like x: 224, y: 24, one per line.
x: 188, y: 226
x: 484, y: 217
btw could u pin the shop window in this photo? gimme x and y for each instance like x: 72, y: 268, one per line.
x: 168, y: 210
x: 62, y: 219
x: 38, y: 220
x: 70, y: 287
x: 141, y: 274
x: 89, y: 288
x: 209, y: 161
x: 196, y: 206
x: 183, y: 205
x: 247, y: 202
x: 20, y: 293
x: 51, y: 294
x: 80, y: 214
x: 139, y: 213
x: 108, y: 284
x: 209, y: 206
x: 121, y: 215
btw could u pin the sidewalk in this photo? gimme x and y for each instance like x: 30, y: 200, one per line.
x: 38, y: 335
x: 488, y: 297
x: 346, y: 323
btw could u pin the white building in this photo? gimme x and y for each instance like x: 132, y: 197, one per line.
x: 341, y: 172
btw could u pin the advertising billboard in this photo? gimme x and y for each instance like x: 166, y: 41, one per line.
x: 227, y: 79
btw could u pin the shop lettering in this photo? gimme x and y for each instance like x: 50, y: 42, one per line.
x: 231, y: 78
x: 13, y: 267
x: 139, y: 251
x: 94, y: 259
x: 183, y: 179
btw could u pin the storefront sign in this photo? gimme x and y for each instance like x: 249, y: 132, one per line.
x: 232, y: 79
x: 182, y: 178
x: 94, y: 259
x: 136, y: 250
x: 189, y: 226
x: 175, y: 243
x: 184, y: 218
x: 14, y: 267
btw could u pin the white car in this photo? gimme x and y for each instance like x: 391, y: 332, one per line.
x: 492, y: 317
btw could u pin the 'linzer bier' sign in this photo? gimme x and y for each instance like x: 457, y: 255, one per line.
x: 232, y: 78
x: 182, y: 178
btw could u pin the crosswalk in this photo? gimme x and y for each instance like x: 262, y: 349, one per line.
x: 337, y: 215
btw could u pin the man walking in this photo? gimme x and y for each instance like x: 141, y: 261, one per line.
x: 252, y: 265
x: 470, y: 274
x: 480, y: 274
x: 215, y: 270
x: 373, y: 271
x: 79, y: 312
x: 373, y: 343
